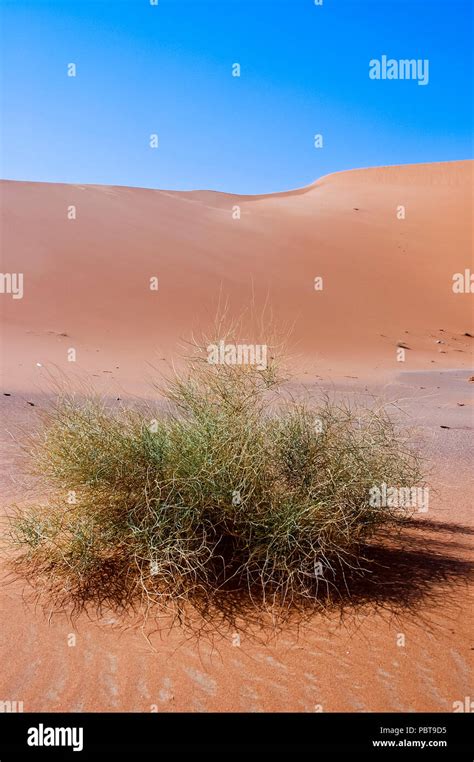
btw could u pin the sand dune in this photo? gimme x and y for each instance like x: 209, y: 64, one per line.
x: 385, y: 280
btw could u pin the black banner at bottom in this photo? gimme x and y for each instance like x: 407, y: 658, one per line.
x: 90, y: 736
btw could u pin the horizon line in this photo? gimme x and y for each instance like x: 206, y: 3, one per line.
x: 290, y: 191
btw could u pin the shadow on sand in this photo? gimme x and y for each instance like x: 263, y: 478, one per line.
x: 421, y: 565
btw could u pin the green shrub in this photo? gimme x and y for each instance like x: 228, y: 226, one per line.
x: 230, y: 487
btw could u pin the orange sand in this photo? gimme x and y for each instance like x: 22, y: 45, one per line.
x: 385, y: 280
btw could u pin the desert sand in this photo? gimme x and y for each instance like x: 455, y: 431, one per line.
x: 385, y: 281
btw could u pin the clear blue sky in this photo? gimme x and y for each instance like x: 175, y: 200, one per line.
x: 167, y: 70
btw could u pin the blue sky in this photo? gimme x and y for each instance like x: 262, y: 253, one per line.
x: 166, y: 69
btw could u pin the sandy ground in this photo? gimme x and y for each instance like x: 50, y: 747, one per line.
x: 404, y: 642
x: 350, y: 660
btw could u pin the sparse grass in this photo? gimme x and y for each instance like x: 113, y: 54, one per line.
x: 231, y: 487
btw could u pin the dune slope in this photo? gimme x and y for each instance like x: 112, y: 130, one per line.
x: 385, y: 279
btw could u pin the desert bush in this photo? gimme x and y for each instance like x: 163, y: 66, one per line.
x: 230, y: 484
